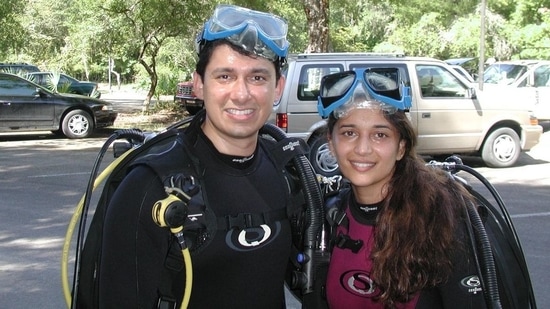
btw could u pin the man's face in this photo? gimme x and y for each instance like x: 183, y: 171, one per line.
x: 238, y: 93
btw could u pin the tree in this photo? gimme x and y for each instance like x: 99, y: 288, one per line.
x: 151, y: 23
x: 317, y: 15
x: 359, y: 25
x: 10, y: 28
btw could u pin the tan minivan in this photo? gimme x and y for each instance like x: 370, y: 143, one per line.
x: 451, y: 117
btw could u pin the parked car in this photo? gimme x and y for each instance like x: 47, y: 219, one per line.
x: 18, y: 67
x: 450, y: 115
x: 469, y: 64
x: 187, y: 99
x: 63, y: 83
x: 526, y: 80
x: 460, y: 70
x: 26, y: 106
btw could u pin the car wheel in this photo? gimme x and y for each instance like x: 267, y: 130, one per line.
x: 501, y: 148
x: 77, y: 124
x: 324, y: 163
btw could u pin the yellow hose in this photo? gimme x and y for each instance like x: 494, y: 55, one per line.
x: 70, y: 231
x: 188, y: 278
x: 72, y: 224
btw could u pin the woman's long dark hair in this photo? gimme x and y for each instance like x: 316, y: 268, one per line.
x: 416, y: 230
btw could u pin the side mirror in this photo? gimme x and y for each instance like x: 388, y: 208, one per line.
x: 39, y: 92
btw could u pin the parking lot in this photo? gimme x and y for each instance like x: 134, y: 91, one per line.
x: 44, y: 177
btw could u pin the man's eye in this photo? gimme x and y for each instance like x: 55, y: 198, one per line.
x: 258, y: 78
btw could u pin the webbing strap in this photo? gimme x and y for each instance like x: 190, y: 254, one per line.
x: 247, y: 220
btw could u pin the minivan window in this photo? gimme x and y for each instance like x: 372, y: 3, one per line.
x: 310, y: 79
x: 436, y: 81
x: 542, y: 76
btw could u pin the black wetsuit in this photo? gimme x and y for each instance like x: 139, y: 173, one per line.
x: 239, y: 268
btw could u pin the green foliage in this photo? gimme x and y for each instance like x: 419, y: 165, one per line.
x: 358, y: 26
x: 11, y: 30
x: 425, y: 38
x: 154, y: 40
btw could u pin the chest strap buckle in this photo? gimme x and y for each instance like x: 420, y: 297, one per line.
x: 345, y: 242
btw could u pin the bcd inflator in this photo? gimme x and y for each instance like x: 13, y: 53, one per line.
x: 172, y: 211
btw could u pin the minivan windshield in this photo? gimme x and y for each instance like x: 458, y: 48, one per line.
x: 503, y: 73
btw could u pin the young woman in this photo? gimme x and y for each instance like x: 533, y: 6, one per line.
x: 400, y: 237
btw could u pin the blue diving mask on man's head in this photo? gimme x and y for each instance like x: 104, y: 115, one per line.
x: 375, y: 88
x: 260, y: 33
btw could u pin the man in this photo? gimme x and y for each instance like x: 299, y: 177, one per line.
x: 241, y: 248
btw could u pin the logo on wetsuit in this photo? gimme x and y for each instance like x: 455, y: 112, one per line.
x: 252, y: 238
x: 472, y: 283
x: 359, y: 283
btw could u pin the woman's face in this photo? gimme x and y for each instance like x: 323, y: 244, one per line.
x: 367, y: 147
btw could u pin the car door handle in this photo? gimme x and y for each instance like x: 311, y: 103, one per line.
x: 426, y: 115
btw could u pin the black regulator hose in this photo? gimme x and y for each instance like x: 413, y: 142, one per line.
x: 511, y: 234
x: 488, y: 270
x: 131, y: 134
x: 314, y: 211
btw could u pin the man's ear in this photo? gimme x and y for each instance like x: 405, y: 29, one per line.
x: 279, y: 88
x: 198, y: 85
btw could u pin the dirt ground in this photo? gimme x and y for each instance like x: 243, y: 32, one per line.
x: 131, y: 116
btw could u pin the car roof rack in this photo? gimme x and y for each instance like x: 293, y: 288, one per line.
x: 14, y: 63
x: 348, y: 54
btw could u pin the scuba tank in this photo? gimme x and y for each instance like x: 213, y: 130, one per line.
x: 503, y: 269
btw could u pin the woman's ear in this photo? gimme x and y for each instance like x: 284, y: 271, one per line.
x: 330, y: 145
x: 401, y: 150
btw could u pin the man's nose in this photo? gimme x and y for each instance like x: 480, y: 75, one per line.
x: 240, y: 91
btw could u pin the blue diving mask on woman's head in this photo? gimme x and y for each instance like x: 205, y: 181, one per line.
x: 260, y: 33
x: 376, y: 88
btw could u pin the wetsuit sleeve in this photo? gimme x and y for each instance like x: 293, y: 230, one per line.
x: 134, y: 247
x: 463, y: 289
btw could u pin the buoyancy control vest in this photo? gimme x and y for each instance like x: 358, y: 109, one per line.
x: 179, y: 168
x: 502, y: 266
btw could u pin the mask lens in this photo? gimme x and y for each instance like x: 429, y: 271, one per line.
x: 384, y: 82
x: 229, y: 17
x: 381, y: 85
x: 335, y: 86
x: 231, y: 22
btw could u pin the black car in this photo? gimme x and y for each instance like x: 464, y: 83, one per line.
x: 18, y: 67
x: 63, y: 83
x: 26, y: 106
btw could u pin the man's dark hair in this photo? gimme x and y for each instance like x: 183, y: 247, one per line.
x: 206, y: 53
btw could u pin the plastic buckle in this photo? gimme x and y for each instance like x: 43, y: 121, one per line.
x: 345, y: 242
x: 240, y: 221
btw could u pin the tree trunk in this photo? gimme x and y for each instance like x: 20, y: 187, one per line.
x: 317, y: 15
